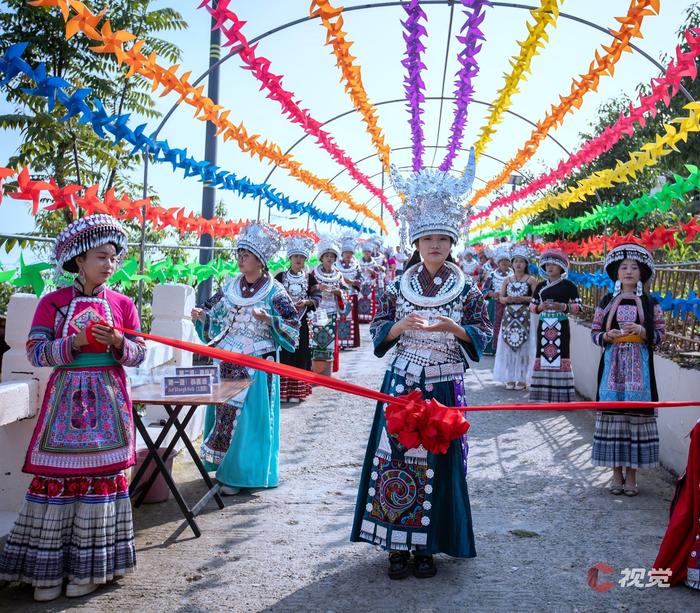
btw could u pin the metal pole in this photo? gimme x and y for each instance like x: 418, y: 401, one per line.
x: 206, y: 242
x: 142, y: 242
x: 381, y: 209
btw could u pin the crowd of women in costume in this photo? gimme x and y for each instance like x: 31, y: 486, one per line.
x: 437, y: 316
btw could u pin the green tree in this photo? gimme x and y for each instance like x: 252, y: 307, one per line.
x: 69, y: 151
x: 608, y: 113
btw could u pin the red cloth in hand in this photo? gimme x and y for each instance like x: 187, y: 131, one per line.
x: 93, y: 343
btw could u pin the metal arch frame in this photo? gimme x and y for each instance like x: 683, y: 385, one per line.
x: 373, y: 5
x: 396, y: 101
x: 375, y: 154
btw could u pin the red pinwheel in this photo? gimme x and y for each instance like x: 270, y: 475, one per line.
x: 4, y: 173
x: 30, y: 190
x: 691, y: 229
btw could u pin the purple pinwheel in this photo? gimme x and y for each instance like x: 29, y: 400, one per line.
x: 464, y: 89
x: 413, y: 82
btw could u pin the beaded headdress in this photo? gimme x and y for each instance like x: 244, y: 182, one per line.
x: 434, y: 200
x: 630, y: 251
x: 554, y: 256
x: 522, y: 251
x: 299, y: 245
x: 84, y: 234
x: 262, y: 240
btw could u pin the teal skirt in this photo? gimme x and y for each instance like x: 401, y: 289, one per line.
x: 410, y: 498
x: 242, y: 438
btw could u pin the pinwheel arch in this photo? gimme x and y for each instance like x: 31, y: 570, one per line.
x: 214, y: 66
x: 78, y: 102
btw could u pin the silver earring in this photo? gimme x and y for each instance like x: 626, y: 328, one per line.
x: 81, y: 277
x: 640, y: 288
x: 618, y: 287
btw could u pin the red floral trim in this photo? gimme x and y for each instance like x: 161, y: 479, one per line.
x: 78, y: 486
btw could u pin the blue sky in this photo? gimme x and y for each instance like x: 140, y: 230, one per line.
x: 299, y: 54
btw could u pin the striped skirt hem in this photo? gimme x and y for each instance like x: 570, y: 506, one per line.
x: 83, y: 533
x: 625, y: 440
x: 552, y: 386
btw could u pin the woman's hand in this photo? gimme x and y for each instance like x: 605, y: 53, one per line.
x: 108, y: 336
x: 632, y: 328
x: 80, y: 339
x: 198, y: 314
x: 262, y: 315
x: 444, y: 324
x: 611, y: 334
x: 411, y: 322
x: 338, y: 293
x: 505, y: 300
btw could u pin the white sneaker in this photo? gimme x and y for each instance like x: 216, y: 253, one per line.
x: 520, y: 386
x: 510, y: 386
x: 75, y: 590
x: 44, y: 594
x: 227, y: 490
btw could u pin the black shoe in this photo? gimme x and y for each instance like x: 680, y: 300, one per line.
x: 399, y: 564
x: 424, y: 566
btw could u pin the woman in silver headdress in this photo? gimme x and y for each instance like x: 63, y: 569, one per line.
x: 369, y: 275
x: 628, y: 324
x: 515, y: 348
x: 348, y: 316
x: 552, y: 378
x: 301, y: 287
x: 435, y: 319
x: 330, y: 289
x: 251, y: 314
x: 76, y: 521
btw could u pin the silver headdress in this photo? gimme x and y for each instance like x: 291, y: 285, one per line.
x: 84, y: 234
x: 327, y: 244
x: 262, y: 240
x: 522, y: 251
x: 502, y: 254
x: 554, y: 256
x: 434, y: 200
x: 299, y: 245
x: 348, y: 242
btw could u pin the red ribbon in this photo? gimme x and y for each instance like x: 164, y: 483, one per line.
x: 403, y: 401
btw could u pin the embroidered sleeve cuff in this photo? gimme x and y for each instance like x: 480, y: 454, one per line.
x: 287, y: 336
x: 379, y: 332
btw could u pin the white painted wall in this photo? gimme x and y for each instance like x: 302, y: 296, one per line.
x: 23, y: 386
x: 673, y: 382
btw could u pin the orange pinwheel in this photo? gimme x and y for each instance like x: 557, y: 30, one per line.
x: 4, y: 173
x: 113, y: 42
x: 84, y: 21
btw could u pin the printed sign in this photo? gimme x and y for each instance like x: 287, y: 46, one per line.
x: 200, y: 370
x: 187, y: 385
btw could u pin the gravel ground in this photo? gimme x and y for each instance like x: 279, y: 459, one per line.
x: 541, y: 513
